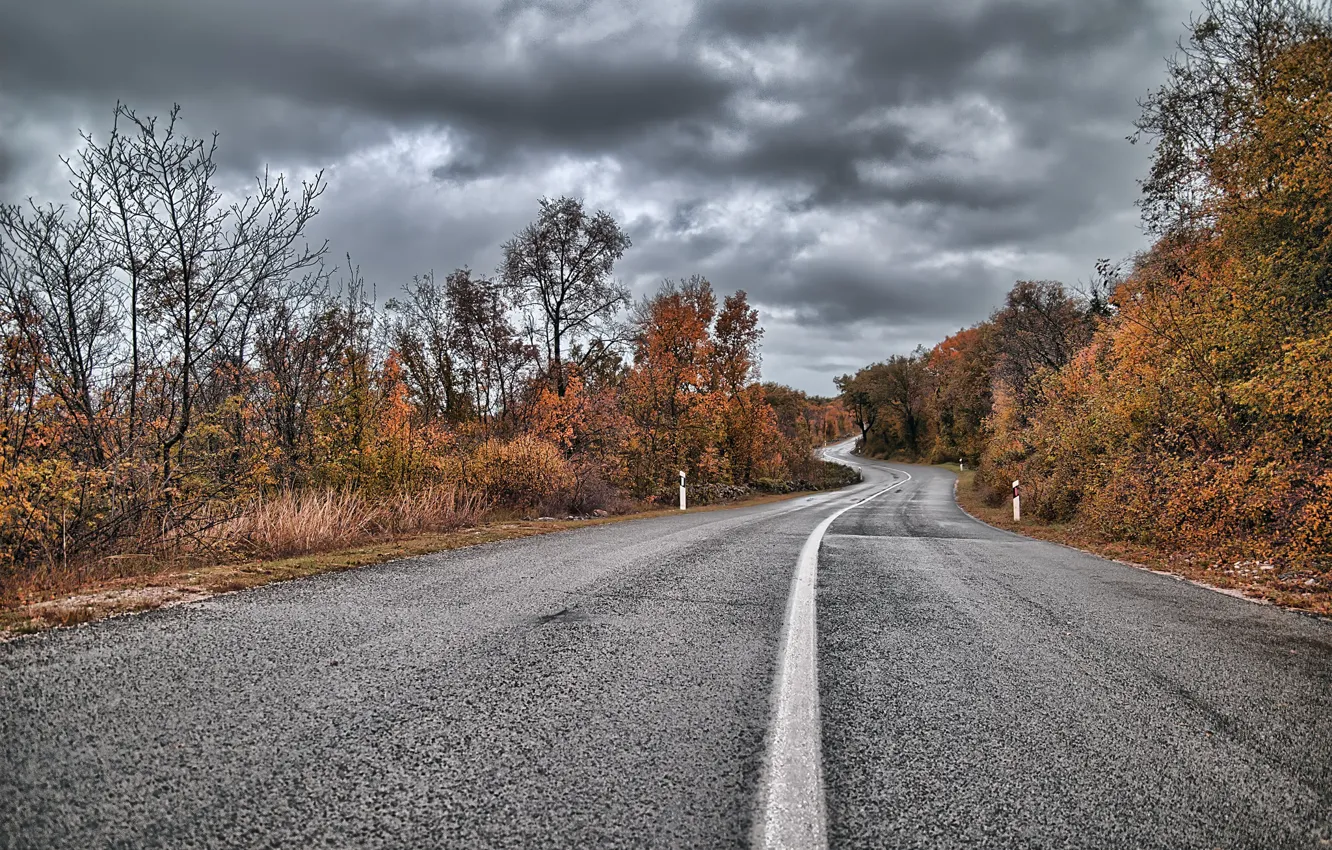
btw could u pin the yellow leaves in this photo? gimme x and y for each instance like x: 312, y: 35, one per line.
x: 1298, y: 387
x: 44, y: 504
x: 519, y: 472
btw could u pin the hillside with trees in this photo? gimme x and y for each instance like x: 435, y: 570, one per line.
x: 185, y: 378
x: 1183, y: 402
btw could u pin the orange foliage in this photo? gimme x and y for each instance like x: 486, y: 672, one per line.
x: 1195, y: 413
x: 227, y: 398
x: 691, y: 398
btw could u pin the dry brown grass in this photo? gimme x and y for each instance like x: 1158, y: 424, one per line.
x: 1300, y: 590
x: 285, y: 525
x: 305, y: 522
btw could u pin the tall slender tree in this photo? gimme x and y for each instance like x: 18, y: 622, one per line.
x: 560, y: 267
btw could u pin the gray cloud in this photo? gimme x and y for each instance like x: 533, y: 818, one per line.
x: 873, y: 173
x: 8, y: 163
x: 841, y: 292
x: 434, y: 63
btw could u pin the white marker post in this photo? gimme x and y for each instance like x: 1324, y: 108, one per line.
x: 682, y: 490
x: 962, y: 464
x: 1017, y: 503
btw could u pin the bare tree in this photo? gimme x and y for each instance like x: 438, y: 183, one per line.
x: 109, y: 178
x: 485, y: 344
x: 55, y: 281
x: 1039, y: 327
x: 423, y: 336
x: 212, y: 258
x: 298, y: 349
x: 560, y: 265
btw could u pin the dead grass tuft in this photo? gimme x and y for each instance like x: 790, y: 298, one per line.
x: 302, y: 523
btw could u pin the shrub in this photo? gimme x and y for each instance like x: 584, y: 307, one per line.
x: 521, y: 473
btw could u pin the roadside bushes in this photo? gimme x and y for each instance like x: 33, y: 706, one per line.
x: 49, y: 509
x: 1184, y: 401
x: 521, y: 472
x: 1143, y: 438
x: 532, y: 474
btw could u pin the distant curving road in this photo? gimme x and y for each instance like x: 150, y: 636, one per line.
x: 615, y: 686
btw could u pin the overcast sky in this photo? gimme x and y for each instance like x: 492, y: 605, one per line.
x: 875, y: 173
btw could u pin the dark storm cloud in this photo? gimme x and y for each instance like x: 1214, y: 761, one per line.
x: 866, y: 57
x: 822, y: 156
x: 842, y: 291
x: 921, y: 48
x: 812, y: 153
x: 8, y: 162
x: 435, y: 64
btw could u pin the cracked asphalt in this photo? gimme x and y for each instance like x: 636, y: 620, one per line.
x: 611, y: 686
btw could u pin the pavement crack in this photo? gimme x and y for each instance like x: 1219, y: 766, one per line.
x: 660, y: 597
x: 567, y: 614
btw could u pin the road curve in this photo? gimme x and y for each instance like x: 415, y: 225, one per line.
x: 981, y: 689
x: 612, y: 686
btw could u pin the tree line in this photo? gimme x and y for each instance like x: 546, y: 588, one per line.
x: 176, y: 356
x: 1185, y: 399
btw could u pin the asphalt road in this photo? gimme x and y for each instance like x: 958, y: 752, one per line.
x: 613, y: 686
x: 980, y: 689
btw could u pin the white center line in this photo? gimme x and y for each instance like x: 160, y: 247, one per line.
x: 792, y: 812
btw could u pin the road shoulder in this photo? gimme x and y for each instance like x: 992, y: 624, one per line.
x: 1302, y: 591
x: 167, y: 587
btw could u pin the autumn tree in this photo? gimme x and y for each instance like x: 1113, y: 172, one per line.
x: 1215, y: 85
x: 560, y: 267
x: 667, y: 391
x: 889, y: 401
x: 903, y: 388
x: 1040, y: 327
x: 857, y: 394
x: 791, y: 407
x: 735, y: 351
x: 962, y: 400
x: 1275, y: 188
x: 749, y: 422
x: 804, y: 422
